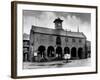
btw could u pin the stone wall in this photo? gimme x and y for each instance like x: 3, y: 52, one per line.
x: 46, y: 40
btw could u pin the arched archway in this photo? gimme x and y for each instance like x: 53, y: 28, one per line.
x: 73, y: 52
x: 41, y: 51
x: 50, y: 51
x: 80, y: 52
x: 59, y: 52
x: 66, y: 50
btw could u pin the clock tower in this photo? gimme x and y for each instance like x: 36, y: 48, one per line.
x: 58, y: 23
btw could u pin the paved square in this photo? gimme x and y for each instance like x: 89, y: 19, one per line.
x: 57, y: 64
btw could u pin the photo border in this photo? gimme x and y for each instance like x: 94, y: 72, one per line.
x: 14, y: 37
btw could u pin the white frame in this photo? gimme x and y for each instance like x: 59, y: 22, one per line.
x: 20, y: 6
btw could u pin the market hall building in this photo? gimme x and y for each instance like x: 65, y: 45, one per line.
x: 52, y: 44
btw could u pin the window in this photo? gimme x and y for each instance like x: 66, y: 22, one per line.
x: 26, y: 43
x: 66, y: 39
x: 58, y: 40
x: 25, y: 50
x: 80, y: 40
x: 73, y: 40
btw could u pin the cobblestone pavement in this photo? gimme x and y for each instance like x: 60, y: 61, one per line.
x: 57, y: 64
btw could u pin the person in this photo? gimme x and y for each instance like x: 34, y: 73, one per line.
x: 66, y: 57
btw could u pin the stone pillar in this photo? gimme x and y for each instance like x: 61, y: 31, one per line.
x: 84, y: 53
x: 77, y: 57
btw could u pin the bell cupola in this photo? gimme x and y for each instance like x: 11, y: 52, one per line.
x: 58, y: 23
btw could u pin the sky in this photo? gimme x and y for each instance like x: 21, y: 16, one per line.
x: 71, y: 21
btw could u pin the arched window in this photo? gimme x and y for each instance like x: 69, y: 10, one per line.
x: 66, y: 39
x: 58, y: 40
x: 73, y: 40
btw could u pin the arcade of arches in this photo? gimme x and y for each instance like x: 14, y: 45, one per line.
x: 59, y: 52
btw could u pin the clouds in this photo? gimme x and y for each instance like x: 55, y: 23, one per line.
x: 45, y: 19
x: 71, y: 21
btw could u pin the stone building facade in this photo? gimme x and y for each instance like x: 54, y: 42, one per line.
x: 52, y: 44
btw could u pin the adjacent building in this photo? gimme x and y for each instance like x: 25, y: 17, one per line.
x: 26, y: 43
x: 88, y: 43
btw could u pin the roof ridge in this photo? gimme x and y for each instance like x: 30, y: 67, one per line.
x: 58, y: 32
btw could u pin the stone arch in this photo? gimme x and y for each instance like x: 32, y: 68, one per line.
x: 59, y: 52
x: 67, y: 50
x: 73, y: 52
x: 50, y: 51
x: 41, y: 50
x: 80, y: 52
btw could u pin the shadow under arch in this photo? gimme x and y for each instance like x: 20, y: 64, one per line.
x: 73, y: 52
x: 66, y: 50
x: 41, y: 50
x: 80, y: 52
x: 50, y: 51
x: 59, y: 52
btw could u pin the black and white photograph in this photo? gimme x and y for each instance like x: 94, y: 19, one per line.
x: 53, y: 39
x: 56, y: 39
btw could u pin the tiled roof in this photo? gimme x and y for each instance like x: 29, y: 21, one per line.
x: 58, y: 32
